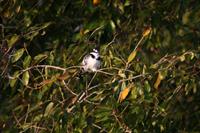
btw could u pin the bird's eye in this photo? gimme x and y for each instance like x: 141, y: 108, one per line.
x: 92, y: 56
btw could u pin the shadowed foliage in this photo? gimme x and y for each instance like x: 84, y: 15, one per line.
x: 149, y: 78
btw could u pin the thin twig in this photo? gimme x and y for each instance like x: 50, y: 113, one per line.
x: 105, y: 83
x: 97, y: 126
x: 121, y: 123
x: 44, y: 66
x: 96, y: 30
x: 113, y: 40
x: 17, y: 121
x: 100, y: 71
x: 69, y: 89
x: 116, y: 68
x: 134, y: 77
x: 139, y: 43
x: 91, y: 80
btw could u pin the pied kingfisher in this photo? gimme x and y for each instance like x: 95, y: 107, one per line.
x: 91, y: 62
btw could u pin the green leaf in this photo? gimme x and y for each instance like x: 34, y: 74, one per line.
x: 13, y: 81
x: 49, y: 109
x: 39, y: 58
x: 25, y: 78
x: 17, y: 55
x: 132, y: 56
x: 35, y: 106
x: 27, y: 61
x: 123, y: 86
x: 37, y: 118
x: 32, y: 35
x: 147, y: 86
x: 134, y: 93
x: 26, y: 126
x: 35, y: 30
x: 13, y: 40
x: 102, y: 113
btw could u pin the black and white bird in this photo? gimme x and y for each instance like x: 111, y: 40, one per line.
x: 91, y: 62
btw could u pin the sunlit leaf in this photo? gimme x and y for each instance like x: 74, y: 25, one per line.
x: 27, y: 61
x: 132, y: 56
x: 146, y: 32
x: 26, y: 126
x: 25, y: 78
x: 124, y: 93
x: 39, y: 58
x: 121, y: 74
x: 160, y: 77
x: 17, y: 55
x: 192, y: 55
x: 37, y: 118
x: 13, y: 81
x: 49, y: 109
x: 182, y: 58
x: 147, y: 86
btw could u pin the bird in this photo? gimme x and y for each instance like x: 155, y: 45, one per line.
x: 91, y: 62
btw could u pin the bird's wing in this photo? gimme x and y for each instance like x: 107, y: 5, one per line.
x: 84, y: 62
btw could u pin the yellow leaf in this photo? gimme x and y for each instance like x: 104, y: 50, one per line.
x: 132, y: 56
x: 160, y: 77
x: 146, y: 32
x: 124, y: 93
x: 182, y: 58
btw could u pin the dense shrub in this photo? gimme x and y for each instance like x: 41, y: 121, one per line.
x: 149, y: 78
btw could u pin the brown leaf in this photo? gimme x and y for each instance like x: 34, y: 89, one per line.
x: 146, y: 32
x: 64, y: 76
x: 43, y: 83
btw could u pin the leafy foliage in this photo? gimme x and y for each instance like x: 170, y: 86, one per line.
x: 148, y: 81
